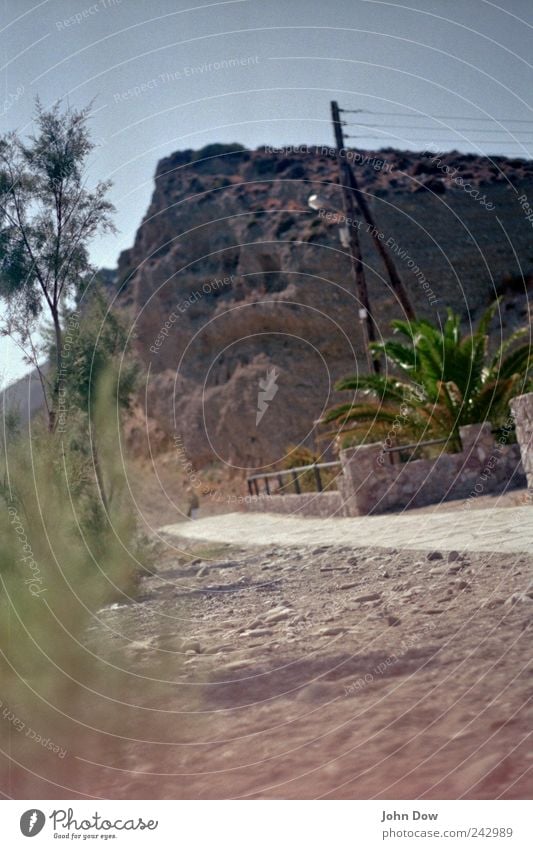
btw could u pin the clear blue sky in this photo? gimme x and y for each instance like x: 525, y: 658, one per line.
x: 465, y: 58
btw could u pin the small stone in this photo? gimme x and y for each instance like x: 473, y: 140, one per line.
x: 202, y: 572
x: 330, y: 632
x: 518, y: 598
x: 452, y: 556
x: 383, y: 573
x: 348, y: 586
x: 369, y: 597
x: 234, y: 665
x: 393, y: 621
x: 491, y: 603
x: 277, y: 615
x: 256, y: 633
x: 434, y: 555
x: 461, y: 584
x: 191, y: 646
x: 297, y: 619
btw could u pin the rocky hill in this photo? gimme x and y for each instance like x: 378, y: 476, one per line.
x: 244, y: 306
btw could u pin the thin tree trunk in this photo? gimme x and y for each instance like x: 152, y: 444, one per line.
x: 99, y: 476
x: 52, y: 413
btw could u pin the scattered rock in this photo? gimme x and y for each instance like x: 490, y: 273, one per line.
x: 491, y: 603
x: 256, y: 633
x: 518, y: 598
x: 393, y: 621
x: 434, y: 555
x: 234, y: 665
x: 202, y: 571
x: 277, y: 614
x: 452, y: 556
x: 191, y: 646
x: 330, y: 632
x: 369, y: 597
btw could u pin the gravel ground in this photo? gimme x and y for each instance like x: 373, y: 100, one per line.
x: 320, y: 671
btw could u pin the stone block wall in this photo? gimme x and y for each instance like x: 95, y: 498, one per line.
x: 522, y: 408
x: 371, y: 484
x: 321, y: 504
x: 482, y: 467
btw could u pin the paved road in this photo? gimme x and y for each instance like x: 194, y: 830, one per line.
x: 494, y: 529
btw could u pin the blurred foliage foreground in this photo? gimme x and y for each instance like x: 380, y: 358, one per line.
x: 66, y: 552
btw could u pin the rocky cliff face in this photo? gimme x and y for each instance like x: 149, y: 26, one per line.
x: 242, y: 297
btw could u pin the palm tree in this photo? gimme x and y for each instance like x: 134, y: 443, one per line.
x: 447, y: 380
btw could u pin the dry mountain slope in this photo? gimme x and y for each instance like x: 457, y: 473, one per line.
x: 232, y: 275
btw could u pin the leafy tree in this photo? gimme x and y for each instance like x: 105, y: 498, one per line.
x: 97, y: 382
x: 447, y: 380
x: 47, y: 218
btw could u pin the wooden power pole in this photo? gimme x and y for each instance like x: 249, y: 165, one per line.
x: 365, y: 317
x: 351, y: 189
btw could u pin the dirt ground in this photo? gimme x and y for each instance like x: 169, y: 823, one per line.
x: 328, y: 672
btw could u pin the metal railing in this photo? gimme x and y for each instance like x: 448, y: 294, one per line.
x: 397, y: 449
x: 293, y: 474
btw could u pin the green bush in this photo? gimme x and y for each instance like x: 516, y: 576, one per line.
x: 64, y: 556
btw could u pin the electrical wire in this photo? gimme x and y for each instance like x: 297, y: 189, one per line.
x: 445, y: 140
x: 441, y: 117
x: 435, y: 129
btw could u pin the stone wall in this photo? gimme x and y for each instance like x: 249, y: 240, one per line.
x: 371, y: 484
x: 483, y: 466
x: 522, y: 408
x: 322, y: 504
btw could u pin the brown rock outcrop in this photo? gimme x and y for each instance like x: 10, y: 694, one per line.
x: 232, y: 276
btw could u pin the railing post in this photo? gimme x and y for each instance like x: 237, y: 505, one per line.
x: 250, y: 490
x: 318, y: 479
x: 296, y: 483
x: 267, y: 487
x: 280, y: 482
x: 256, y: 486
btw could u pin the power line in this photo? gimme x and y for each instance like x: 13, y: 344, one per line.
x: 442, y: 117
x: 446, y: 140
x: 435, y: 129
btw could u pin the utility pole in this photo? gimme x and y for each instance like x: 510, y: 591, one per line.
x: 367, y: 322
x: 350, y: 181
